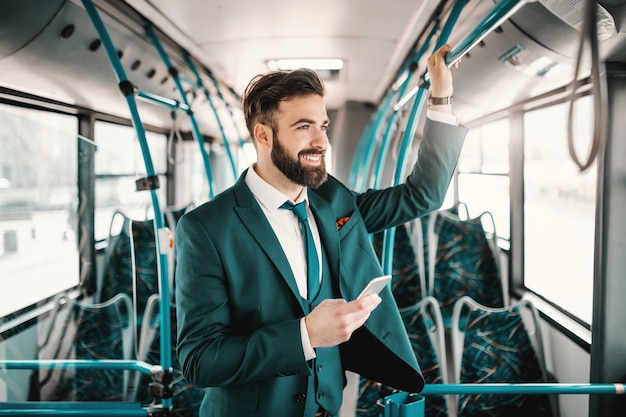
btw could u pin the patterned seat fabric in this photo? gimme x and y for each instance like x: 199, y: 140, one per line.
x: 417, y: 323
x: 100, y: 333
x: 118, y: 270
x: 465, y: 266
x: 497, y: 348
x: 406, y: 284
x: 186, y: 397
x: 118, y: 278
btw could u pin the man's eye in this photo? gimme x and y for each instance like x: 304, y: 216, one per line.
x: 303, y: 127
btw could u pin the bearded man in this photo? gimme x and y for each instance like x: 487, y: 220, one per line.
x: 269, y: 271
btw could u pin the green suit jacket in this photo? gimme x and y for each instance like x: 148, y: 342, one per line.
x: 238, y: 307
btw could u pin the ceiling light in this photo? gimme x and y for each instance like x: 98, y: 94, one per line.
x: 317, y: 64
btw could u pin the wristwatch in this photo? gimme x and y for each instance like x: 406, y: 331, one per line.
x: 434, y: 101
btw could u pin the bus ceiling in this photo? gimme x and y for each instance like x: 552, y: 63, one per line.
x: 532, y: 52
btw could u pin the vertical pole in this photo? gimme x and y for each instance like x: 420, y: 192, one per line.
x: 127, y: 89
x: 608, y: 347
x: 86, y: 206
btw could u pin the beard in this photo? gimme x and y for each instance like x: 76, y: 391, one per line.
x: 311, y: 177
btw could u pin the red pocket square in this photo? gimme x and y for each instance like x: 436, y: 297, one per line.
x: 341, y: 222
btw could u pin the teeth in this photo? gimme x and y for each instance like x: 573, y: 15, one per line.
x: 311, y: 157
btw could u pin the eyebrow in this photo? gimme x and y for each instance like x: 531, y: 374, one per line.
x: 310, y: 121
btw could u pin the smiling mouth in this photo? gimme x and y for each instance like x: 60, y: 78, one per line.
x: 312, y: 157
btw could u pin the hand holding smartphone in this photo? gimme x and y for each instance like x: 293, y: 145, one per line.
x: 375, y: 286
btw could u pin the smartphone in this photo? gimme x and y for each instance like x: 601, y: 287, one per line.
x: 375, y: 285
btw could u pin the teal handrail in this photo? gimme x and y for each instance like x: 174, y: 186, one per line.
x: 360, y: 151
x: 195, y: 129
x: 501, y: 11
x: 162, y: 261
x: 523, y: 388
x: 409, y: 132
x: 364, y: 161
x: 218, y: 90
x: 162, y: 101
x: 123, y: 364
x: 200, y: 84
x: 91, y: 409
x: 405, y: 79
x: 242, y: 138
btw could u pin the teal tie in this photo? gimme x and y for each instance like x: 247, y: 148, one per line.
x: 313, y: 264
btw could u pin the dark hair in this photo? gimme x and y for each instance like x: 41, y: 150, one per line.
x: 265, y: 92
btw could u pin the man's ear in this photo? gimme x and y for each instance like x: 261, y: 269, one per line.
x: 263, y: 134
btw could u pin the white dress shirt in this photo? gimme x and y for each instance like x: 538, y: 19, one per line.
x: 287, y: 228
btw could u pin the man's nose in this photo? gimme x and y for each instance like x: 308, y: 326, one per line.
x: 320, y: 139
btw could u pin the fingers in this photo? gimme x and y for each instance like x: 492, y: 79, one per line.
x: 439, y: 73
x: 334, y: 320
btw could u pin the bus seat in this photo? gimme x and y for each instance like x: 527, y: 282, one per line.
x: 117, y: 263
x: 462, y: 262
x: 496, y: 345
x: 424, y: 325
x: 100, y: 331
x: 131, y: 260
x: 428, y: 225
x: 408, y: 283
x: 186, y: 397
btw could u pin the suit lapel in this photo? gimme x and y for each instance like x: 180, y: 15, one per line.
x: 327, y: 226
x: 254, y: 220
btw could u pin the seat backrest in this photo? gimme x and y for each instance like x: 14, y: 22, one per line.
x: 101, y: 331
x: 498, y: 345
x: 131, y: 262
x: 426, y: 333
x: 462, y: 262
x: 408, y: 284
x: 117, y: 266
x: 186, y: 397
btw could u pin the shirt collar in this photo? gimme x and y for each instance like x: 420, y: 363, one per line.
x: 266, y: 194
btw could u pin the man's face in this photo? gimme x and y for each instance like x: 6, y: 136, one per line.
x: 300, y: 141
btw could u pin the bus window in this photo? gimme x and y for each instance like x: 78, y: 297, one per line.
x: 118, y: 164
x: 483, y: 174
x: 38, y: 189
x: 559, y: 209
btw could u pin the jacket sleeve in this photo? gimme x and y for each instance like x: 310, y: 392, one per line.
x: 214, y: 348
x: 426, y: 186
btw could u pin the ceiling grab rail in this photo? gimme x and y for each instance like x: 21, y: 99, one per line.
x: 195, y: 129
x: 162, y: 233
x: 358, y: 154
x: 207, y: 94
x: 218, y: 90
x: 409, y: 132
x: 405, y: 78
x: 242, y: 138
x: 364, y: 154
x: 494, y: 17
x: 361, y: 163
